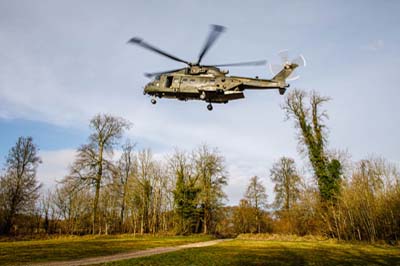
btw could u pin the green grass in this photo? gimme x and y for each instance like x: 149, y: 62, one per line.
x: 68, y: 248
x: 261, y: 252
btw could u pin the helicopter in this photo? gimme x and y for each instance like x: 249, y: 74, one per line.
x: 208, y: 82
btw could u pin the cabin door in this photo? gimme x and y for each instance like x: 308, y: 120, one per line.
x: 176, y: 83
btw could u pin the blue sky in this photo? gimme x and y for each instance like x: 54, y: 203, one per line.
x: 46, y: 136
x: 63, y: 62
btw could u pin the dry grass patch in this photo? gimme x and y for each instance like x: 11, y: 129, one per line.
x: 69, y: 248
x: 276, y: 253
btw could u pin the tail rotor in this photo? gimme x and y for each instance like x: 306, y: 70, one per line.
x: 288, y: 64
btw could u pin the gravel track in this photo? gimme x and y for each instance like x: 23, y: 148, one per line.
x: 127, y: 255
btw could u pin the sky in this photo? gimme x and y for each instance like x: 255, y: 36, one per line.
x: 62, y: 62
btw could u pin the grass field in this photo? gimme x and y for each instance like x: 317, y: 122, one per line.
x: 261, y: 252
x: 68, y: 248
x: 231, y: 252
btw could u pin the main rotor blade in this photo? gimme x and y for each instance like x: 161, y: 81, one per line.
x: 250, y: 63
x: 216, y: 30
x: 150, y: 75
x: 140, y: 42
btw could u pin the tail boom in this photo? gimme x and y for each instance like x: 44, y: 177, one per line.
x: 285, y: 73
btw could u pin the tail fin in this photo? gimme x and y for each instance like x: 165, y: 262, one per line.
x: 286, y: 71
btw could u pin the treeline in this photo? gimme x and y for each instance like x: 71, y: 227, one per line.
x: 351, y: 201
x: 135, y: 193
x: 183, y: 192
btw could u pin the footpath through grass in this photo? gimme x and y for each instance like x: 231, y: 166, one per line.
x: 71, y: 248
x: 262, y: 252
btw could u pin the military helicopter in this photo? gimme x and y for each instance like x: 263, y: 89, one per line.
x: 208, y: 82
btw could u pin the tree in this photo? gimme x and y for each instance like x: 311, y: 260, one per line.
x: 73, y: 207
x: 185, y: 192
x: 287, y: 183
x: 92, y: 165
x: 257, y: 198
x: 243, y: 218
x: 312, y: 138
x: 144, y: 188
x: 45, y: 210
x: 19, y: 188
x: 369, y: 203
x: 127, y: 168
x: 210, y: 172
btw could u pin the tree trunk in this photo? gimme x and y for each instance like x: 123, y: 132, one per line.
x: 8, y: 221
x: 98, y: 183
x: 9, y: 217
x: 95, y: 206
x: 206, y: 219
x: 123, y: 208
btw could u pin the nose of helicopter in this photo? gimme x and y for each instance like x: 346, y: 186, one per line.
x: 145, y: 90
x: 148, y: 89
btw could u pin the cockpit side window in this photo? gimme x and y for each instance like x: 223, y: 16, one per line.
x: 168, y: 81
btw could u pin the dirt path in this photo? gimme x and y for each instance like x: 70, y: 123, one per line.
x: 128, y: 255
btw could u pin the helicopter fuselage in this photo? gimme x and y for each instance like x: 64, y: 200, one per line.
x: 212, y: 86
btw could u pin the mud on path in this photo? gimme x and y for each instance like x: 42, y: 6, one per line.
x: 127, y: 255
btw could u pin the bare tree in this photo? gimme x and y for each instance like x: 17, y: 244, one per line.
x: 257, y: 198
x: 45, y: 210
x: 368, y: 207
x: 92, y: 163
x: 287, y: 183
x: 19, y: 188
x: 73, y: 207
x: 144, y: 188
x: 210, y: 171
x: 127, y: 169
x: 243, y: 218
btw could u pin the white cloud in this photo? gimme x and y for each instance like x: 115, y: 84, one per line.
x: 54, y: 165
x: 374, y: 45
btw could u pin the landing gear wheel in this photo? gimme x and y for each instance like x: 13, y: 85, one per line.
x: 282, y: 91
x: 209, y: 107
x: 153, y: 101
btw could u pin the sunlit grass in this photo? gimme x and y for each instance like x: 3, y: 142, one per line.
x: 235, y: 252
x: 261, y: 252
x: 67, y: 248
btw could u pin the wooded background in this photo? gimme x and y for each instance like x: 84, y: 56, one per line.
x: 183, y: 193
